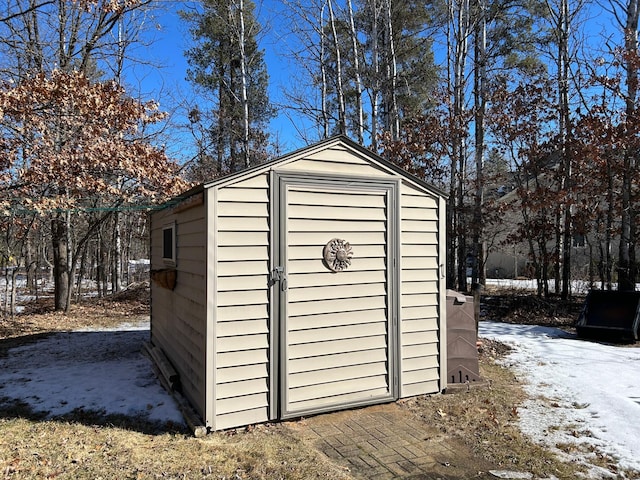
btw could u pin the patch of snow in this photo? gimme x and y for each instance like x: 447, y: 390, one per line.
x: 580, y: 393
x: 102, y: 370
x: 141, y: 261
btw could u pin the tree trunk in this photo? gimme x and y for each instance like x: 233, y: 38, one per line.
x: 479, y: 114
x: 244, y: 86
x: 627, y: 260
x: 116, y: 269
x: 391, y: 101
x: 61, y: 273
x: 323, y: 73
x: 565, y: 134
x: 356, y: 68
x: 342, y: 113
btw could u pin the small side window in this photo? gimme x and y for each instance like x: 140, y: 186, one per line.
x: 169, y: 244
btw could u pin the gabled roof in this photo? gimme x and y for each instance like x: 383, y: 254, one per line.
x: 354, y: 147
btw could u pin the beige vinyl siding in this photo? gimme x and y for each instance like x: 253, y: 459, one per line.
x: 336, y: 339
x: 242, y: 298
x: 179, y: 315
x: 419, y: 326
x: 337, y: 161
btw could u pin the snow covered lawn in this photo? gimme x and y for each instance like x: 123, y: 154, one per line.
x: 99, y: 370
x: 584, y: 397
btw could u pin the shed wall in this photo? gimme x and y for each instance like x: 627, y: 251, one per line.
x: 241, y: 309
x: 419, y: 292
x: 178, y: 325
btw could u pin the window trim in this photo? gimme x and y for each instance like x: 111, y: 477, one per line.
x: 171, y: 230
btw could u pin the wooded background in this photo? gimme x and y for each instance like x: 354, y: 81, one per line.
x: 536, y: 99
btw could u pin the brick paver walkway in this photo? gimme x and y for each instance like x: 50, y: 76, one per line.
x: 387, y: 442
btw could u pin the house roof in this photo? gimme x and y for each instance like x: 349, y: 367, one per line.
x: 319, y: 146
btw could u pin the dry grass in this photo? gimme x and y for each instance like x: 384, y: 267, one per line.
x: 486, y: 420
x: 59, y: 449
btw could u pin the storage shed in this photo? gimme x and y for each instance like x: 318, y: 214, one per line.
x: 311, y: 283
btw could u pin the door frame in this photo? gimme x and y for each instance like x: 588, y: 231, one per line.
x: 279, y: 181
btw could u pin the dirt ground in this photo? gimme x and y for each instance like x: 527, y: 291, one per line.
x: 475, y: 431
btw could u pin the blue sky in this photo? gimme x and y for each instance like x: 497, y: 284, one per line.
x: 171, y: 38
x: 166, y: 81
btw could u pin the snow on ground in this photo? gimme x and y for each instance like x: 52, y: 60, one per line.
x: 580, y: 392
x: 102, y: 370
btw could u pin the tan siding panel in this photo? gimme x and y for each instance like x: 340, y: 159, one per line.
x: 419, y: 238
x: 419, y: 376
x: 245, y: 402
x: 419, y: 201
x: 242, y: 357
x: 242, y: 283
x: 247, y: 342
x: 317, y: 266
x: 249, y: 224
x: 243, y: 387
x: 323, y: 212
x: 243, y: 253
x: 238, y: 239
x: 197, y: 267
x: 257, y: 195
x: 190, y: 227
x: 336, y: 227
x: 245, y: 417
x: 412, y: 351
x: 320, y: 240
x: 334, y: 375
x: 336, y: 346
x: 336, y: 153
x: 416, y: 338
x: 243, y: 209
x: 195, y: 240
x: 229, y: 269
x: 245, y: 312
x: 251, y: 297
x: 337, y: 319
x: 189, y: 293
x: 335, y: 168
x: 316, y: 364
x: 420, y: 251
x: 423, y: 275
x: 422, y: 325
x: 310, y: 196
x: 418, y: 300
x: 419, y: 226
x: 413, y: 313
x: 419, y: 363
x: 328, y: 278
x: 244, y: 327
x: 338, y: 305
x: 244, y: 372
x: 343, y: 399
x: 256, y: 181
x: 346, y: 387
x: 419, y: 287
x: 420, y: 263
x: 410, y: 213
x: 339, y: 291
x: 420, y: 388
x: 346, y: 331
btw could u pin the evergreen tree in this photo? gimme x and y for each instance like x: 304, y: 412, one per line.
x: 228, y: 66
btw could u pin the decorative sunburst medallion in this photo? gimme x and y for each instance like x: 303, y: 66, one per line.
x: 337, y: 255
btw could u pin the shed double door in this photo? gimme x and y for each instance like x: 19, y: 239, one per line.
x: 336, y: 276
